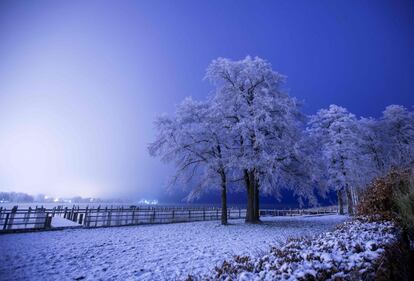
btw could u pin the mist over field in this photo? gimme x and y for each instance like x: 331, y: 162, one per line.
x: 81, y: 83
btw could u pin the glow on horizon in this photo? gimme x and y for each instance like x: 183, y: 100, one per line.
x: 81, y: 81
x: 75, y: 113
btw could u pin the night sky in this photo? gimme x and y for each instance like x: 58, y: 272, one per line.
x: 81, y: 81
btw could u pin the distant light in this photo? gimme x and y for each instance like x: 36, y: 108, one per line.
x: 148, y: 202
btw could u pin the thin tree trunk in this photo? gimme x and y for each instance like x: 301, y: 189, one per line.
x: 256, y: 201
x: 223, y: 198
x: 349, y: 201
x: 340, y: 202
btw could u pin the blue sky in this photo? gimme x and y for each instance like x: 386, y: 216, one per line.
x: 81, y: 81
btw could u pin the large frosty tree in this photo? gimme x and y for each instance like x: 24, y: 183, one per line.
x: 337, y: 130
x: 263, y: 123
x: 194, y: 139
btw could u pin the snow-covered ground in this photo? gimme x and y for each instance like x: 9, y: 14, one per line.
x: 146, y: 252
x: 61, y: 222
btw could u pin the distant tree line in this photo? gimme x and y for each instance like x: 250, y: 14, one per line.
x: 251, y: 134
x: 20, y: 197
x: 16, y: 197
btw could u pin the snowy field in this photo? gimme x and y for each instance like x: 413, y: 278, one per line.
x: 146, y: 252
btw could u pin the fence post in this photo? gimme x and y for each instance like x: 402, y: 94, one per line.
x: 27, y: 217
x: 133, y: 216
x: 86, y: 219
x: 173, y: 215
x: 11, y: 218
x: 153, y: 216
x: 77, y: 215
x: 110, y: 217
x: 6, y: 221
x: 80, y: 218
x: 71, y: 213
x: 204, y: 214
x: 98, y: 214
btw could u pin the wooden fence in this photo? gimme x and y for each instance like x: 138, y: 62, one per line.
x: 15, y: 220
x: 19, y: 219
x: 298, y: 212
x: 109, y: 216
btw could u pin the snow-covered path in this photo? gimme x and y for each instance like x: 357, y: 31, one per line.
x: 145, y: 252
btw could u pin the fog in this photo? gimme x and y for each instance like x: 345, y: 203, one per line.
x: 80, y: 83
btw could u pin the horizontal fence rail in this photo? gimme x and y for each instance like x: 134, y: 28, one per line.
x: 30, y: 219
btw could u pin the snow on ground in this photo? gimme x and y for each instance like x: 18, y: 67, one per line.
x: 146, y: 252
x: 62, y: 222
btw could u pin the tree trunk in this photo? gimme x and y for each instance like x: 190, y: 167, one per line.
x: 340, y: 202
x: 349, y: 201
x: 256, y: 201
x: 249, y: 207
x: 251, y: 198
x: 223, y: 198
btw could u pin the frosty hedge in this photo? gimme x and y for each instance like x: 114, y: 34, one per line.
x: 356, y: 250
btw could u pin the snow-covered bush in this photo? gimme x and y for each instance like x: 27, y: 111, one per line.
x: 354, y: 251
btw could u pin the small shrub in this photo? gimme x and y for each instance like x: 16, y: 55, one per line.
x: 378, y: 201
x: 391, y: 198
x: 238, y: 265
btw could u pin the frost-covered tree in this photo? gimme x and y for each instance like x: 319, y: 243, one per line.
x: 337, y: 130
x: 194, y: 139
x: 373, y: 147
x: 398, y: 123
x: 263, y: 123
x: 308, y: 159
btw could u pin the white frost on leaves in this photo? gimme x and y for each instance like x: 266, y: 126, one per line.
x: 248, y: 124
x: 350, y: 250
